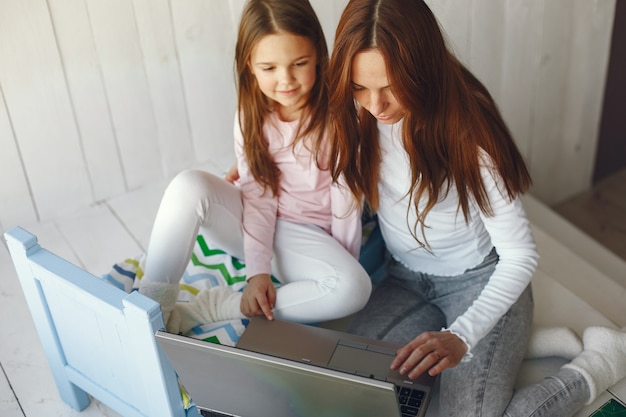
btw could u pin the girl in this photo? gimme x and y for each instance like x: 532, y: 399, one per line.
x: 428, y: 150
x: 285, y: 216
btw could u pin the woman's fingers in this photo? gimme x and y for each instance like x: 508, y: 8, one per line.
x: 430, y: 352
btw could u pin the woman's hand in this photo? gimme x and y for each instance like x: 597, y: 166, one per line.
x: 430, y: 351
x: 259, y: 297
x: 232, y: 174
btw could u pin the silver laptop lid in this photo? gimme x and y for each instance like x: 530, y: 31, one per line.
x: 249, y: 384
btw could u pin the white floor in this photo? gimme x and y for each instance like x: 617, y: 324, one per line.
x: 94, y: 238
x: 573, y: 272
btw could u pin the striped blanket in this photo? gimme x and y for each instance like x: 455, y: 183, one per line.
x: 208, y: 267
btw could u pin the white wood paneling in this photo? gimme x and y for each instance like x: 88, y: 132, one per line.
x: 453, y: 20
x: 520, y: 60
x: 104, y: 96
x: 37, y: 101
x: 89, y: 98
x: 15, y: 200
x: 205, y: 35
x: 121, y: 60
x: 154, y: 22
x: 328, y: 13
x: 487, y: 49
x: 590, y: 42
x: 548, y: 103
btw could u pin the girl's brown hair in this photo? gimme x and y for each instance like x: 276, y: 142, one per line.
x: 449, y: 114
x: 259, y: 19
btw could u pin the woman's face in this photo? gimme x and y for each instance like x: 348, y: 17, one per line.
x: 371, y: 87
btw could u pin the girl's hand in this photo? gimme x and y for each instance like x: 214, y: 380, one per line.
x: 430, y: 351
x: 232, y: 174
x: 259, y: 297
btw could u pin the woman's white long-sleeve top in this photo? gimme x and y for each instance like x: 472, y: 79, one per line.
x: 456, y: 245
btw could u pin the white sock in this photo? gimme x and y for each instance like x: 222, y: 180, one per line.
x: 554, y: 341
x: 603, y: 359
x: 164, y: 293
x: 209, y: 306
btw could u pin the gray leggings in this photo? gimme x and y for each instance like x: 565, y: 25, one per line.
x: 407, y: 303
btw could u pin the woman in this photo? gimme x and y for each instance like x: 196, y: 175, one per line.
x: 420, y: 139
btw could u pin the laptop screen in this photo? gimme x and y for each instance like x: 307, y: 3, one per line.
x: 249, y: 384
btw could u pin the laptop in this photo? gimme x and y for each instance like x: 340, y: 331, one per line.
x: 284, y: 369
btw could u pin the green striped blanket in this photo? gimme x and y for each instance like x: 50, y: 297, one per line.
x: 212, y: 267
x: 208, y: 267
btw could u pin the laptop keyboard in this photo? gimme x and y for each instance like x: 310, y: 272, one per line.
x: 209, y: 413
x: 410, y: 401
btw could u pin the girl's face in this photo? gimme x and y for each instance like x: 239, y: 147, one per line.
x: 371, y: 87
x: 284, y: 65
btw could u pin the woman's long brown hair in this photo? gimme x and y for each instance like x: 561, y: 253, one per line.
x: 449, y: 114
x: 259, y: 19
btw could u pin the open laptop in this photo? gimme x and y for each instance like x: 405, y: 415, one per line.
x: 283, y: 369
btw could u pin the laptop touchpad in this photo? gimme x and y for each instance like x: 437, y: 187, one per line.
x: 356, y: 358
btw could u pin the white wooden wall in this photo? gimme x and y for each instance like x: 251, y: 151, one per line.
x: 98, y: 97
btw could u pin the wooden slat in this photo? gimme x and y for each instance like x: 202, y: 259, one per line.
x: 37, y: 100
x: 15, y: 198
x: 120, y: 56
x: 590, y: 42
x: 549, y: 96
x: 521, y: 58
x: 89, y: 98
x: 98, y: 239
x: 154, y: 24
x: 138, y: 222
x: 328, y: 14
x: 236, y: 7
x: 9, y: 406
x: 488, y: 43
x: 205, y: 35
x: 453, y: 19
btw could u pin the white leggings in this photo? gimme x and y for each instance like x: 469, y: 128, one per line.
x: 321, y: 279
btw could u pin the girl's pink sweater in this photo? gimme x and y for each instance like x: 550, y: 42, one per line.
x: 307, y: 196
